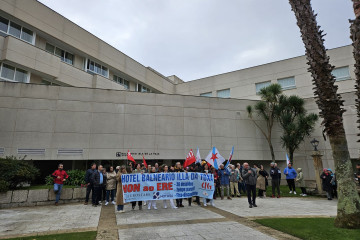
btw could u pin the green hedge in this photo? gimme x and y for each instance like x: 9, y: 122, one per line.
x: 14, y: 172
x: 76, y: 178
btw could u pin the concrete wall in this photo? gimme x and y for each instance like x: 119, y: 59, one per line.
x: 27, y: 198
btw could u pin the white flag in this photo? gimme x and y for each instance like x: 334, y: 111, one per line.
x: 198, y: 158
x: 214, y: 158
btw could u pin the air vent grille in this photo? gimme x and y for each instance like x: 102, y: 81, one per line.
x: 31, y: 151
x: 70, y: 151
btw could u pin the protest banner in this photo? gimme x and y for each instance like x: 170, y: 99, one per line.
x: 160, y: 186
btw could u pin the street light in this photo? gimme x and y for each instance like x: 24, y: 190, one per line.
x: 315, y: 144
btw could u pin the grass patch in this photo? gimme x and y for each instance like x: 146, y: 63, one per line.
x: 310, y: 228
x: 284, y: 192
x: 36, y: 187
x: 63, y: 236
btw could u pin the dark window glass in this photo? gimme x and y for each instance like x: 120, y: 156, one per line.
x: 7, y: 72
x: 21, y: 76
x: 15, y: 30
x: 4, y: 24
x: 69, y: 58
x: 27, y: 35
x: 50, y: 48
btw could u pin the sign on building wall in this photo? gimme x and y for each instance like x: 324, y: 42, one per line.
x: 160, y: 186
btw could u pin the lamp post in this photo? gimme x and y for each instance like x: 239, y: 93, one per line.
x: 318, y: 165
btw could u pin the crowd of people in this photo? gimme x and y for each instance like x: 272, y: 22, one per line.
x: 234, y: 179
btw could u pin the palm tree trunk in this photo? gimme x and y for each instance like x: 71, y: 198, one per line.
x: 331, y: 110
x: 355, y: 37
x: 271, y: 151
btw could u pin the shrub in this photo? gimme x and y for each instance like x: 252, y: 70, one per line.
x: 14, y: 172
x: 76, y: 178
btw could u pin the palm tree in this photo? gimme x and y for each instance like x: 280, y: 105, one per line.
x: 355, y: 37
x: 331, y: 110
x: 265, y: 109
x: 295, y: 122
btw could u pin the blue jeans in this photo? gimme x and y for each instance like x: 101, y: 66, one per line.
x: 108, y: 194
x: 120, y: 207
x: 57, y: 190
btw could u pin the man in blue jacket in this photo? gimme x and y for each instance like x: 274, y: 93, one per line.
x: 290, y: 174
x: 224, y: 175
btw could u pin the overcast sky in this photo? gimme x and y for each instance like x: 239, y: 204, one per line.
x: 198, y: 38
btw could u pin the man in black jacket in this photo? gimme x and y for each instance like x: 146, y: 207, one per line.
x: 275, y: 176
x: 97, y: 179
x: 89, y: 185
x: 250, y: 176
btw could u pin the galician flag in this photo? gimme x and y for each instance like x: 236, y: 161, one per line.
x: 287, y: 159
x: 198, y: 158
x: 230, y: 157
x: 214, y: 158
x: 129, y: 157
x: 190, y: 159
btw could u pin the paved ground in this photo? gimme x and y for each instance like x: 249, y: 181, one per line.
x: 185, y: 223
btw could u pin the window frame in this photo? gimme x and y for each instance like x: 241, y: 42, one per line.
x: 121, y: 81
x: 15, y: 70
x: 217, y: 93
x: 64, y: 52
x: 93, y: 71
x: 207, y: 94
x: 257, y: 92
x: 342, y: 78
x: 21, y: 31
x: 288, y: 87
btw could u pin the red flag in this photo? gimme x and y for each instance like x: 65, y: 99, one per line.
x: 145, y: 164
x: 190, y: 159
x: 129, y: 157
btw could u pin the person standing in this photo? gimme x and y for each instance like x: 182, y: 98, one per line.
x: 279, y: 171
x: 290, y: 174
x: 275, y: 182
x: 103, y: 187
x: 89, y: 185
x: 249, y: 176
x: 60, y: 177
x: 241, y: 184
x: 261, y: 181
x: 178, y: 168
x: 216, y: 182
x: 234, y: 180
x: 224, y: 175
x: 333, y: 183
x: 166, y: 170
x: 119, y: 191
x: 97, y: 180
x: 300, y: 180
x: 110, y: 185
x: 138, y: 170
x: 326, y: 183
x: 152, y: 202
x: 207, y: 171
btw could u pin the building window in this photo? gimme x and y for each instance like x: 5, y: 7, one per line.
x: 208, y: 94
x: 63, y: 55
x: 97, y: 68
x: 121, y: 81
x: 287, y: 83
x: 223, y: 93
x: 141, y: 88
x: 13, y: 74
x: 261, y: 85
x: 341, y: 73
x: 16, y: 30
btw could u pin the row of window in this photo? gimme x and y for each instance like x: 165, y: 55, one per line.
x: 13, y: 74
x: 225, y: 93
x: 141, y: 88
x: 96, y: 68
x: 13, y: 29
x: 340, y: 74
x: 62, y: 54
x: 121, y: 81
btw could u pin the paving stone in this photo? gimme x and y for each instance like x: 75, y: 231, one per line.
x: 5, y: 197
x: 40, y: 195
x: 19, y: 196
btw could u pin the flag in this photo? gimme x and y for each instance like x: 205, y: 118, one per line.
x: 287, y: 159
x: 190, y: 159
x: 230, y: 157
x: 214, y: 158
x: 129, y: 157
x: 198, y: 158
x: 145, y: 164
